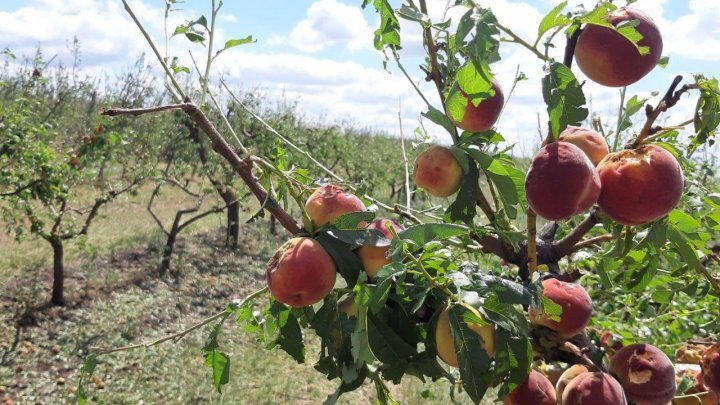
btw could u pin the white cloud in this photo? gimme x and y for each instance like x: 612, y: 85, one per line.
x: 328, y: 23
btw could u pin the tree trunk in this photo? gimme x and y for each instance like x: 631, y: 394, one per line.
x: 58, y: 272
x: 170, y: 245
x: 233, y: 218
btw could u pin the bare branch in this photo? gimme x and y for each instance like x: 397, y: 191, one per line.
x: 670, y: 98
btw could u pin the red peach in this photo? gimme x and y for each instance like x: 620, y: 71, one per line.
x: 437, y: 171
x: 375, y: 257
x: 300, y: 273
x: 536, y: 389
x: 608, y: 58
x: 710, y: 364
x: 640, y: 185
x: 589, y: 140
x: 561, y: 182
x: 566, y: 377
x: 576, y: 308
x: 329, y: 202
x: 444, y: 343
x: 646, y: 373
x: 594, y: 389
x: 483, y: 116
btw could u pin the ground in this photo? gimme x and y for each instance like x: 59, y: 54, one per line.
x: 116, y: 299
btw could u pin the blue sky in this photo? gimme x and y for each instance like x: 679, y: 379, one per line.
x: 319, y: 53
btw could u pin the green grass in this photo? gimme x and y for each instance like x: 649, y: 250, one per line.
x: 117, y: 301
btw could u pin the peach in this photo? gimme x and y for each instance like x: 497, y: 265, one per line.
x: 589, y: 140
x: 576, y: 308
x: 437, y: 171
x: 348, y: 306
x: 483, y: 116
x: 561, y: 182
x: 703, y: 396
x: 536, y: 389
x: 300, y: 273
x: 609, y: 59
x: 639, y: 185
x: 445, y: 344
x: 375, y: 257
x: 593, y: 389
x: 646, y: 373
x: 329, y: 202
x: 710, y: 364
x: 567, y: 376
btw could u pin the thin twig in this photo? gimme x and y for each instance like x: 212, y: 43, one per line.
x: 516, y: 39
x: 592, y: 242
x: 176, y: 337
x: 670, y: 98
x: 405, y: 159
x: 565, y: 246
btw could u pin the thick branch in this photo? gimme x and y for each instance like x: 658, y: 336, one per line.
x: 566, y: 245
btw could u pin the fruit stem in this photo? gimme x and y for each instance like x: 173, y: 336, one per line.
x: 516, y: 39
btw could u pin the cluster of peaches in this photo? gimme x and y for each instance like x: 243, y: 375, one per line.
x: 566, y: 177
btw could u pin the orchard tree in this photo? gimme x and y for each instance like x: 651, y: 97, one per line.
x: 475, y: 293
x: 56, y: 178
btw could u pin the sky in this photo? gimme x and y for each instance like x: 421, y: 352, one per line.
x: 320, y: 54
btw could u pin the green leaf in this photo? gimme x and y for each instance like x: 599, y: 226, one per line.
x: 476, y: 84
x: 510, y: 181
x: 348, y: 263
x: 684, y: 247
x: 513, y: 355
x: 386, y: 344
x: 353, y: 220
x: 388, y: 34
x: 552, y: 309
x: 707, y: 111
x: 474, y: 362
x: 291, y: 337
x: 357, y: 237
x: 236, y: 42
x: 219, y: 362
x: 553, y: 19
x: 564, y: 98
x: 664, y: 61
x: 598, y: 16
x: 424, y: 233
x: 464, y: 208
x: 440, y: 118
